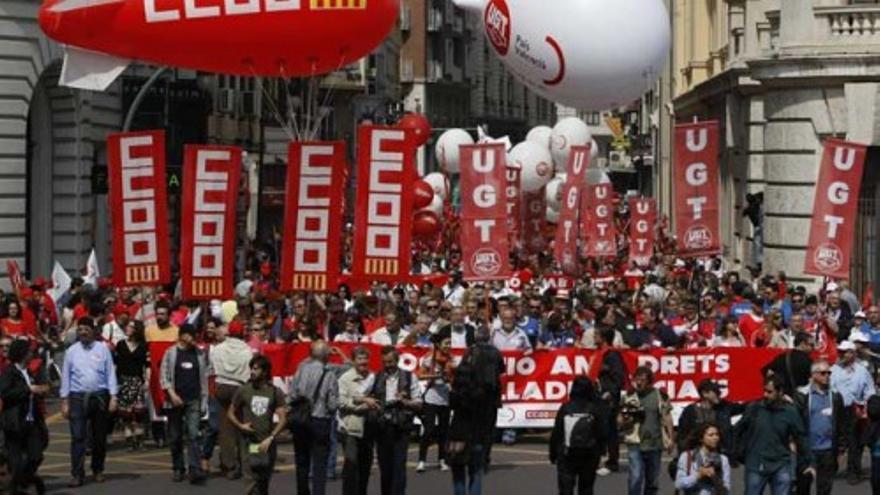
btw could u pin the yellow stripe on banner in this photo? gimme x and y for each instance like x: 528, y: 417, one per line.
x: 310, y: 282
x: 382, y: 266
x: 212, y: 287
x: 338, y: 4
x: 142, y: 274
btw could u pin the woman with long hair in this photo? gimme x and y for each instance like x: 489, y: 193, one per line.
x: 131, y: 369
x: 702, y: 468
x: 728, y: 334
x: 11, y: 324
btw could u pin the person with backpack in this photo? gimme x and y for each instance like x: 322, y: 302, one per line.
x: 399, y: 395
x: 578, y: 439
x: 487, y: 363
x: 711, y: 408
x: 702, y: 468
x: 314, y: 399
x: 252, y: 410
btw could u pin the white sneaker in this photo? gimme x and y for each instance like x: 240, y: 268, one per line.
x: 603, y: 471
x: 421, y: 467
x: 443, y: 466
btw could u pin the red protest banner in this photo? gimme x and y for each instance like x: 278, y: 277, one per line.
x: 643, y: 217
x: 697, y: 224
x: 207, y: 237
x: 513, y: 195
x: 597, y: 216
x: 16, y: 279
x: 383, y: 216
x: 835, y: 209
x: 484, y: 242
x: 565, y: 251
x: 534, y: 220
x: 313, y: 212
x: 138, y: 208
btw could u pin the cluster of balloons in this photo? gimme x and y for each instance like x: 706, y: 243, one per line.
x: 430, y: 191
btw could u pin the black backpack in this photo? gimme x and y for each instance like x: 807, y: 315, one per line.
x: 580, y: 432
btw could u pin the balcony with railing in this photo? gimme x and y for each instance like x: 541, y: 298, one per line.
x: 849, y: 28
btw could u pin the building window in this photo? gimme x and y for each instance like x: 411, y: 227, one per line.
x: 594, y: 118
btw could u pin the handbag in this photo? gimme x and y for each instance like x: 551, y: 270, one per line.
x: 300, y: 415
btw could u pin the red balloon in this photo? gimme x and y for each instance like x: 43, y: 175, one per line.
x: 425, y: 223
x: 423, y: 194
x: 419, y: 124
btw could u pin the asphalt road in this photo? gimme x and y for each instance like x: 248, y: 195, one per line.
x: 522, y: 468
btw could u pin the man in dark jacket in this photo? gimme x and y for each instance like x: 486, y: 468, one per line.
x: 578, y: 439
x: 488, y: 364
x: 794, y: 366
x: 822, y: 412
x: 767, y: 428
x: 612, y: 381
x: 711, y: 408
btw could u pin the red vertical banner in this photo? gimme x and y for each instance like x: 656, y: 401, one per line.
x: 384, y: 208
x: 565, y: 251
x: 138, y: 208
x: 310, y: 251
x: 597, y: 221
x: 534, y: 217
x: 16, y: 279
x: 484, y: 243
x: 211, y: 176
x: 642, y: 219
x: 697, y: 224
x: 835, y: 209
x: 513, y: 196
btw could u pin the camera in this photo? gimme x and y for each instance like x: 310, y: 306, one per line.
x: 632, y: 411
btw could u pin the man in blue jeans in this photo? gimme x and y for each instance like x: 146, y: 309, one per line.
x: 184, y: 378
x: 645, y: 421
x: 767, y: 428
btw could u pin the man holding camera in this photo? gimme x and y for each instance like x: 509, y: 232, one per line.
x: 646, y: 422
x: 399, y: 395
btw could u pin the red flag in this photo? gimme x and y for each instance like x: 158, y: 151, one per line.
x: 138, y: 208
x: 534, y: 219
x: 567, y: 229
x: 868, y: 296
x: 207, y: 237
x: 313, y: 216
x: 597, y: 216
x: 513, y: 194
x: 835, y: 209
x: 16, y: 279
x: 643, y: 216
x: 696, y: 189
x: 484, y: 243
x: 383, y: 217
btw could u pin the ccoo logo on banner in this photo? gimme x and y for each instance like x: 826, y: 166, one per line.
x: 138, y: 208
x: 313, y: 216
x: 696, y: 189
x: 484, y: 241
x: 207, y: 238
x: 835, y: 209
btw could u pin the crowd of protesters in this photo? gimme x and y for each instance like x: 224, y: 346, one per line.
x: 93, y: 342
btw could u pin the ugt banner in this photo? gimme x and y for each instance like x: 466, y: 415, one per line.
x: 599, y: 231
x: 513, y: 195
x: 696, y: 189
x: 484, y: 243
x: 835, y: 209
x: 533, y: 220
x: 384, y: 208
x: 207, y: 233
x: 642, y: 217
x: 565, y: 251
x: 138, y: 208
x: 313, y: 216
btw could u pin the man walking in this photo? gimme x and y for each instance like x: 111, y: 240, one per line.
x: 314, y: 393
x: 88, y: 398
x: 822, y: 412
x: 356, y: 436
x: 184, y: 378
x: 856, y: 386
x: 231, y: 363
x: 646, y: 422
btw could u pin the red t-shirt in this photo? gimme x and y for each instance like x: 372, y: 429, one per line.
x: 749, y: 324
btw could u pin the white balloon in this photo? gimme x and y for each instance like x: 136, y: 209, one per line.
x: 596, y: 176
x: 572, y: 51
x: 438, y: 183
x: 436, y: 206
x: 594, y: 150
x: 553, y: 193
x: 535, y: 163
x: 567, y: 133
x: 447, y: 149
x: 552, y: 215
x: 540, y: 135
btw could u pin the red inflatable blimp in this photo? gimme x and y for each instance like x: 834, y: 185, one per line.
x: 272, y: 38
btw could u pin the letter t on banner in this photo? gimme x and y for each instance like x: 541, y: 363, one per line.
x: 484, y: 242
x: 697, y: 224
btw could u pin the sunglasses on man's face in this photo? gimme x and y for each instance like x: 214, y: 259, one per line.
x: 823, y: 372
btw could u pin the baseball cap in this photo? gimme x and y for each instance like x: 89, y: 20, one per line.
x: 860, y: 314
x: 235, y: 329
x: 859, y: 338
x: 846, y: 346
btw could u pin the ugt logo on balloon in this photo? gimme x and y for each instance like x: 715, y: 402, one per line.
x: 497, y: 20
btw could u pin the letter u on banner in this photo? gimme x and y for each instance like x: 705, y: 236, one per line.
x: 835, y: 209
x: 697, y: 224
x: 211, y: 176
x: 484, y: 240
x: 138, y: 208
x: 310, y: 257
x: 383, y: 216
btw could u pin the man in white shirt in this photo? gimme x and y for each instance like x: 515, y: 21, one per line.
x: 509, y: 337
x: 392, y: 333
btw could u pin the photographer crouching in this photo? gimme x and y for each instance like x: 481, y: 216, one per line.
x: 702, y: 468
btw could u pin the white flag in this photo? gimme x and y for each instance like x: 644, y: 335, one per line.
x: 60, y: 282
x: 93, y: 273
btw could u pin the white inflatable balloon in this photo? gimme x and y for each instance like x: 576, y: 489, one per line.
x: 447, y: 149
x: 438, y: 184
x: 567, y: 133
x: 552, y: 215
x: 594, y: 150
x: 436, y: 206
x: 540, y: 135
x: 535, y: 164
x: 553, y: 193
x: 572, y: 51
